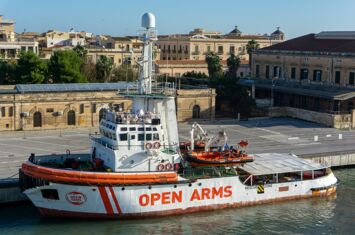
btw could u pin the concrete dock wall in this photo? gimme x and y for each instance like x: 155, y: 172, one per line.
x: 10, y: 191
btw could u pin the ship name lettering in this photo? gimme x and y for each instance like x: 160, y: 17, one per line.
x: 208, y: 193
x: 164, y: 198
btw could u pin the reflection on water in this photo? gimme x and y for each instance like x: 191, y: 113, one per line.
x: 331, y: 215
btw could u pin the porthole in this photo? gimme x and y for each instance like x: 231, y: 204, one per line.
x: 190, y: 184
x: 175, y: 186
x: 149, y: 187
x: 131, y: 162
x: 123, y: 188
x: 199, y: 184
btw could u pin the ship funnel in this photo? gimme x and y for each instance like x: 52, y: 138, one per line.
x: 148, y: 21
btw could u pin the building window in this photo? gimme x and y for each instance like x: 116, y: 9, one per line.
x: 232, y: 50
x: 208, y: 49
x: 267, y: 71
x: 220, y: 49
x: 351, y: 78
x: 196, y: 48
x: 337, y: 77
x: 49, y: 110
x: 2, y: 110
x: 11, y: 111
x: 304, y: 74
x: 93, y: 108
x: 81, y: 108
x: 293, y: 73
x: 317, y: 75
x: 257, y: 71
x: 277, y: 72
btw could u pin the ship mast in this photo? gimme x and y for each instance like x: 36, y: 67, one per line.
x: 148, y: 37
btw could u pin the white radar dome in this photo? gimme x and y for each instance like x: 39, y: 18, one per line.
x: 148, y: 21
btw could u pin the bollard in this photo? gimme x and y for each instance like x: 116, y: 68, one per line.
x: 316, y: 138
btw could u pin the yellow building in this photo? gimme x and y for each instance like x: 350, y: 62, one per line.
x: 10, y: 44
x: 198, y: 43
x: 52, y: 106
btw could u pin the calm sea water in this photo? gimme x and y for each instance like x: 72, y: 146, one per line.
x: 332, y: 215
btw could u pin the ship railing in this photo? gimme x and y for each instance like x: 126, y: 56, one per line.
x: 162, y: 89
x: 171, y: 149
x: 210, y: 172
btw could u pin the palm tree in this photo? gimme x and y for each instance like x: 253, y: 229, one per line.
x: 251, y: 46
x: 233, y: 63
x: 214, y: 65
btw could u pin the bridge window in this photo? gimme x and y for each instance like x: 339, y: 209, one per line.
x: 140, y: 137
x: 123, y: 137
x: 155, y: 136
x: 148, y: 137
x: 132, y: 129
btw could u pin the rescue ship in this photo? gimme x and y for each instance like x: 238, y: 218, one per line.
x: 135, y: 168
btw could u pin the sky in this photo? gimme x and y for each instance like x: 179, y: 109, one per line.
x: 122, y: 17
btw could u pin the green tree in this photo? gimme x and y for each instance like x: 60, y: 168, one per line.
x: 30, y: 69
x: 233, y: 63
x: 81, y: 51
x: 232, y: 96
x: 251, y: 46
x: 194, y: 74
x: 7, y: 70
x: 65, y: 67
x: 124, y: 73
x: 214, y: 65
x: 104, y: 67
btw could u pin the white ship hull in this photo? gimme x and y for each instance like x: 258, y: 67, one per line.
x: 167, y: 199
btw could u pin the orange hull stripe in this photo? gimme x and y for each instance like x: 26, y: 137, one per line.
x: 105, y: 200
x: 115, y: 200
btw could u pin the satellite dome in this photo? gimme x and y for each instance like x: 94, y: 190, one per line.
x: 148, y: 21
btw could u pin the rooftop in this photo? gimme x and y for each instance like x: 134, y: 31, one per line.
x: 277, y: 163
x: 343, y: 42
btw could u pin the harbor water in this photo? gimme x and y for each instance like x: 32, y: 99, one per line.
x: 330, y: 215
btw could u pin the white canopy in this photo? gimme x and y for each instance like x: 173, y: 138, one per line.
x: 276, y: 163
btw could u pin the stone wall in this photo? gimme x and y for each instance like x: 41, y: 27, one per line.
x: 82, y: 109
x: 339, y: 121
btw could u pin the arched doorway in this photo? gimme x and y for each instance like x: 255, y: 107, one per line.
x: 196, y: 111
x: 102, y: 113
x: 71, y: 118
x: 37, y: 119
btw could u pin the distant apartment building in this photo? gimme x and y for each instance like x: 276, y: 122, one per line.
x: 196, y: 44
x: 122, y: 50
x: 55, y: 38
x: 10, y: 44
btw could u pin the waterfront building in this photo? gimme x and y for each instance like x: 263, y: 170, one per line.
x: 10, y: 44
x: 51, y: 106
x: 314, y: 72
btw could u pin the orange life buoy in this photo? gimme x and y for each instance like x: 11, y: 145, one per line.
x: 156, y: 145
x: 160, y: 167
x: 168, y: 166
x: 148, y: 146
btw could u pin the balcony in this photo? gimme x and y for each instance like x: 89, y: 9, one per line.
x: 196, y: 53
